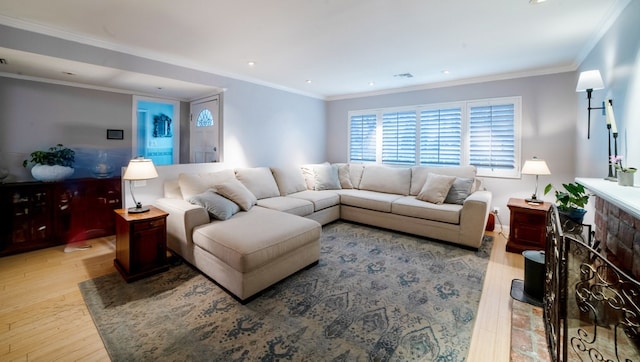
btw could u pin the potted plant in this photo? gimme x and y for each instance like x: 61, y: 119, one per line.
x: 570, y: 201
x: 52, y: 165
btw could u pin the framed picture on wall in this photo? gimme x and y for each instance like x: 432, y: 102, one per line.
x: 115, y: 134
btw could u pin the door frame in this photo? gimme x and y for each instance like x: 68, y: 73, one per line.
x: 220, y: 120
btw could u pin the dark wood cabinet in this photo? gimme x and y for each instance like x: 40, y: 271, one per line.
x: 42, y: 214
x: 527, y: 226
x: 141, y: 243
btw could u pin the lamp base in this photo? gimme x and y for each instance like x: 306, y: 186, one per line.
x: 137, y: 210
x: 534, y: 200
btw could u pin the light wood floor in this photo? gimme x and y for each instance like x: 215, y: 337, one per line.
x: 43, y: 316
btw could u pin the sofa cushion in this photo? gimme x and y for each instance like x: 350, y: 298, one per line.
x: 392, y: 180
x: 371, y: 200
x: 410, y: 206
x: 172, y: 190
x: 289, y: 205
x: 235, y: 191
x: 459, y: 191
x: 436, y: 188
x: 270, y: 235
x: 259, y: 180
x: 419, y: 174
x: 289, y: 179
x: 326, y: 177
x: 355, y: 172
x: 218, y: 206
x: 320, y: 199
x: 192, y: 184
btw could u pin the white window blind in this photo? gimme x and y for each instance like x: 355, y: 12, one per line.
x: 399, y: 138
x: 362, y: 138
x: 484, y: 133
x: 492, y: 141
x: 441, y: 137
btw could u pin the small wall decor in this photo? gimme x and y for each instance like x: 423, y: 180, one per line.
x: 115, y: 134
x: 162, y: 125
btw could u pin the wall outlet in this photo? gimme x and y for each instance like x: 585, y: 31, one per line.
x: 495, y: 210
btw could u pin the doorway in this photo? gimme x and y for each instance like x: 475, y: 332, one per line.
x: 205, y: 131
x: 156, y: 130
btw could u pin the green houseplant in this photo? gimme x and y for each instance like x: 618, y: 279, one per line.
x: 571, y: 200
x: 52, y: 165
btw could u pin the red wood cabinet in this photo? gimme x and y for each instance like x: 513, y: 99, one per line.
x: 141, y: 243
x: 527, y: 226
x: 42, y: 214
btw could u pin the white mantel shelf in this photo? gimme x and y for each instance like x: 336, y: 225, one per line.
x: 625, y: 197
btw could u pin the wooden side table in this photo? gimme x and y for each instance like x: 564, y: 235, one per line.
x: 527, y: 226
x: 141, y: 243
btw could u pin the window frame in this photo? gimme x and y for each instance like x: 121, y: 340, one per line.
x: 465, y: 108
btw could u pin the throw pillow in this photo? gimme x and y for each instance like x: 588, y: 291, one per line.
x: 235, y: 191
x: 436, y: 188
x: 259, y: 180
x: 459, y: 191
x: 219, y: 207
x: 326, y: 177
x: 344, y: 175
x: 309, y: 174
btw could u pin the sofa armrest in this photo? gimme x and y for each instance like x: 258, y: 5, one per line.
x: 473, y: 218
x: 183, y: 217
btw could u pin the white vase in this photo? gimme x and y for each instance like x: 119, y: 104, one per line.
x: 51, y: 173
x: 625, y: 178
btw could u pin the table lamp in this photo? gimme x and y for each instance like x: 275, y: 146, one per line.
x: 139, y: 169
x: 536, y: 167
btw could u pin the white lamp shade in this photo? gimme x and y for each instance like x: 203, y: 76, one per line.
x: 535, y: 167
x: 589, y: 79
x: 140, y: 169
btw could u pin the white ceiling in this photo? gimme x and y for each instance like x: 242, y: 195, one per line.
x: 341, y: 46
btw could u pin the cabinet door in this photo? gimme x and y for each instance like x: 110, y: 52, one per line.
x: 148, y: 247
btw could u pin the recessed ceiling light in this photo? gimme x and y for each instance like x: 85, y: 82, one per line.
x: 445, y: 71
x: 533, y: 2
x: 251, y: 63
x: 371, y: 84
x: 308, y: 81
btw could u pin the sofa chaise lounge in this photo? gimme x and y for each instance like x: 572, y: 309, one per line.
x: 248, y: 228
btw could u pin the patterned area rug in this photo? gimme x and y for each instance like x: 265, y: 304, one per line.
x: 375, y: 295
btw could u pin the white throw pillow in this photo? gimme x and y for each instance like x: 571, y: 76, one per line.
x: 309, y: 174
x: 326, y: 177
x: 436, y: 188
x: 344, y: 175
x: 235, y: 191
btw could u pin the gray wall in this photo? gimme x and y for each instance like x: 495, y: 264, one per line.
x: 548, y: 125
x: 262, y: 126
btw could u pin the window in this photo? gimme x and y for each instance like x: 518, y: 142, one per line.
x: 362, y: 138
x: 482, y: 133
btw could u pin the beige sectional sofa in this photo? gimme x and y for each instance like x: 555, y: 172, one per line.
x: 271, y: 227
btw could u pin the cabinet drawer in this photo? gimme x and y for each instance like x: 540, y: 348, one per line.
x: 527, y: 218
x: 146, y: 225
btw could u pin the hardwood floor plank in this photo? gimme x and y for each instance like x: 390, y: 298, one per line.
x: 43, y: 315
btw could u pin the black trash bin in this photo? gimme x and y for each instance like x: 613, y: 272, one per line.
x: 531, y: 290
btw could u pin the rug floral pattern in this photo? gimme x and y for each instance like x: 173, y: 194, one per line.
x: 375, y: 295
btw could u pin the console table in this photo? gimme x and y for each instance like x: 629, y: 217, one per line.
x: 39, y: 214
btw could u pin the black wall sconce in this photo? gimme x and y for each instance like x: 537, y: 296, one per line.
x: 589, y: 81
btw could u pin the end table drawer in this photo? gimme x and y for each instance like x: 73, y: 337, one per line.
x: 146, y: 225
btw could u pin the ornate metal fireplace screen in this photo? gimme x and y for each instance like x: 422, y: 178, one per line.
x: 591, y: 308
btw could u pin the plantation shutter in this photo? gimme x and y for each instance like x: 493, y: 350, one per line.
x: 441, y: 137
x: 362, y: 138
x: 399, y: 138
x: 492, y: 136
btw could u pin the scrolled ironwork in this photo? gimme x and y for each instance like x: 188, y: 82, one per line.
x: 591, y: 308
